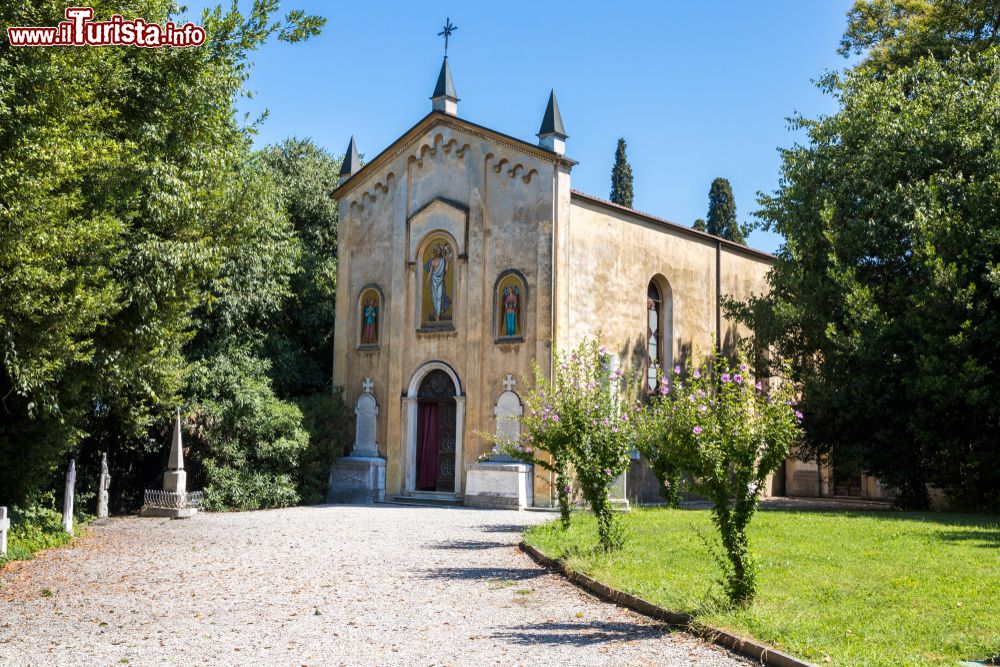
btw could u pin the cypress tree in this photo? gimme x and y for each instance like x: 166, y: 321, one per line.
x: 699, y: 225
x: 722, y: 212
x: 621, y: 178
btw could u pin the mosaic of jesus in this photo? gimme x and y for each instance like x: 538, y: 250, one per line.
x: 439, y: 283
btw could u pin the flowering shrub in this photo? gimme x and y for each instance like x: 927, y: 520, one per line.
x: 729, y: 433
x: 547, y: 427
x: 583, y: 421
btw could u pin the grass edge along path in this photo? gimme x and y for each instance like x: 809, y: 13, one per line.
x: 742, y: 645
x: 840, y: 588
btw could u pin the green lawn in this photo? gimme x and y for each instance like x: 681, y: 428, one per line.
x: 872, y: 588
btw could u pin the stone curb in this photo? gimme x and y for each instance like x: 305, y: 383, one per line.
x: 746, y: 647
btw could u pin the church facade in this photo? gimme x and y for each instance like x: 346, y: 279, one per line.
x: 465, y: 255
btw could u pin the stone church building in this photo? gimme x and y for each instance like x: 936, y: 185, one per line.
x: 465, y: 254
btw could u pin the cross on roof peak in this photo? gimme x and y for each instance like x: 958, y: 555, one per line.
x: 449, y: 28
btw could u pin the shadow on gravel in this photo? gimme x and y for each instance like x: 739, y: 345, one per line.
x: 579, y: 634
x: 472, y: 544
x: 484, y: 573
x: 503, y: 528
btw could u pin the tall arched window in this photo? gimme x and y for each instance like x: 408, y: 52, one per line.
x: 654, y: 335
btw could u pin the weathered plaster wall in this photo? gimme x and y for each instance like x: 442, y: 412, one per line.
x: 611, y: 257
x: 443, y: 174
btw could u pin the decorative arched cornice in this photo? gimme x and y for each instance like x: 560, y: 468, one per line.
x: 431, y: 148
x: 381, y: 187
x: 418, y: 375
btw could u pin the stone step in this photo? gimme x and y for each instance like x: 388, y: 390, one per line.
x: 427, y: 500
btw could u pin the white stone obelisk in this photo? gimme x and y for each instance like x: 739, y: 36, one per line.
x: 175, y: 479
x: 68, y: 497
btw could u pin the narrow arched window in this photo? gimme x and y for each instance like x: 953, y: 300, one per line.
x: 654, y: 334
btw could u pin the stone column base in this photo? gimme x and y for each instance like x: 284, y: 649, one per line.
x: 357, y: 479
x: 499, y: 485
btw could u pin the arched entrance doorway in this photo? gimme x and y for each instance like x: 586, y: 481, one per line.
x: 436, y: 433
x: 433, y: 417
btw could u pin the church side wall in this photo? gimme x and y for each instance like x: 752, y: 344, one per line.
x: 611, y: 258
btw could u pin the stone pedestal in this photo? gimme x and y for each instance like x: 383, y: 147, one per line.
x: 499, y: 485
x: 357, y: 479
x: 168, y: 512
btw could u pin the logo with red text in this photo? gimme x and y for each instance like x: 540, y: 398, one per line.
x: 79, y: 30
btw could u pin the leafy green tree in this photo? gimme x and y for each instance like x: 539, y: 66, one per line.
x: 245, y: 444
x: 300, y: 339
x: 700, y: 225
x: 621, y: 177
x: 721, y: 219
x: 113, y: 196
x: 896, y: 33
x: 728, y: 433
x: 885, y: 296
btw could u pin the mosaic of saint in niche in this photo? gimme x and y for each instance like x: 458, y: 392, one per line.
x: 510, y: 298
x: 438, y: 279
x: 371, y: 313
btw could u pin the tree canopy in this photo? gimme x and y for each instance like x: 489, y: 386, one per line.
x: 125, y: 201
x: 896, y: 33
x: 886, y: 293
x: 721, y: 219
x: 621, y: 177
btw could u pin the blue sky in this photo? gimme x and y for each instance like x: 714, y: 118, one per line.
x: 698, y: 89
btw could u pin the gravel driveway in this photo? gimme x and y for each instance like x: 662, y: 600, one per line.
x: 344, y: 585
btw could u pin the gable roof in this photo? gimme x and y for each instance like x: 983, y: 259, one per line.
x: 663, y: 222
x: 433, y: 119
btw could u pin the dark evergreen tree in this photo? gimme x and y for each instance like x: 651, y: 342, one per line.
x: 699, y: 225
x: 621, y: 178
x: 722, y: 212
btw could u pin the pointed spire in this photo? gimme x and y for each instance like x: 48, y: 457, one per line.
x: 352, y: 162
x: 445, y: 98
x: 552, y: 135
x: 176, y: 461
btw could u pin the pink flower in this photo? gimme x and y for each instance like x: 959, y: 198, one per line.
x: 555, y: 418
x: 677, y: 370
x: 725, y: 377
x: 798, y: 415
x: 697, y: 430
x: 696, y: 374
x: 760, y: 387
x: 527, y: 450
x: 738, y: 378
x: 743, y: 368
x: 664, y: 390
x: 702, y: 408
